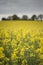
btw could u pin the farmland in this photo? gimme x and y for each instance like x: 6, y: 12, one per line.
x: 16, y: 25
x: 21, y: 42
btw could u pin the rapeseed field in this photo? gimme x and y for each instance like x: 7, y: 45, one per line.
x: 21, y: 43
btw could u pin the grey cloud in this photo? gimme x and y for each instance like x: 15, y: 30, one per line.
x: 21, y: 6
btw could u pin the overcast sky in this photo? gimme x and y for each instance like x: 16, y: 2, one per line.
x: 29, y: 7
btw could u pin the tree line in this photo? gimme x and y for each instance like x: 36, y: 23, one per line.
x: 24, y: 17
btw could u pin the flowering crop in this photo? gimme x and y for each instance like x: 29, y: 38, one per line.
x: 21, y: 48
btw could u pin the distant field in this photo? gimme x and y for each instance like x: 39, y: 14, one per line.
x: 25, y: 25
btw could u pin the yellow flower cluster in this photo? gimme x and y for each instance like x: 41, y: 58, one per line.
x: 18, y: 48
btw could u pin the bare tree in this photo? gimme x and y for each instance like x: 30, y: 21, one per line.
x: 40, y: 17
x: 25, y: 17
